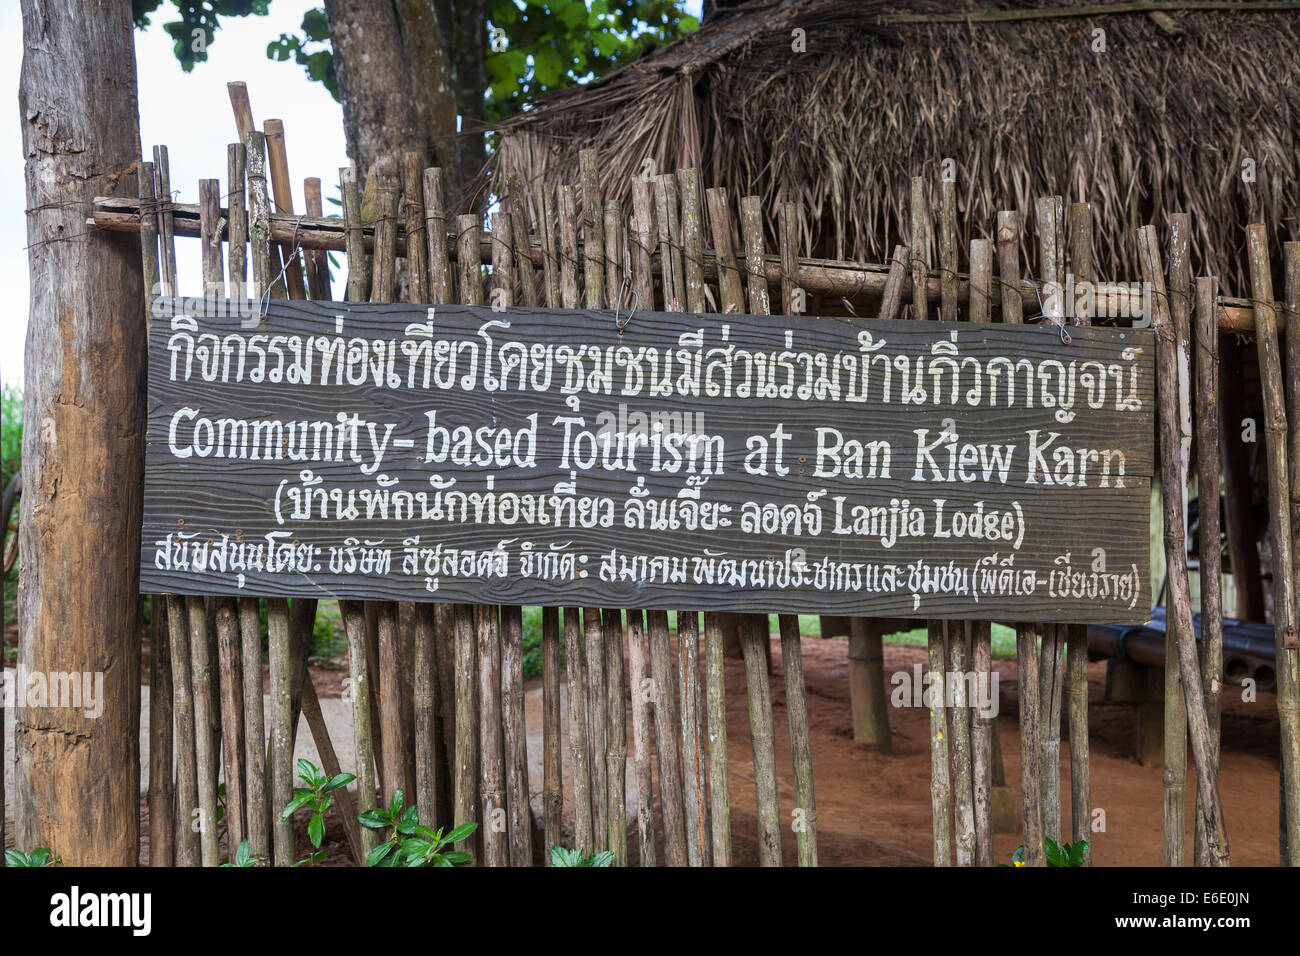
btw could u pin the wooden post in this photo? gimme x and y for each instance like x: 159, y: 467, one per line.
x: 465, y: 797
x: 1210, y: 545
x: 869, y: 702
x: 1008, y: 239
x: 205, y: 759
x: 515, y: 731
x: 692, y: 239
x: 616, y: 744
x: 1286, y: 640
x: 281, y: 718
x: 593, y: 233
x: 729, y: 287
x: 552, y: 784
x: 642, y: 695
x: 796, y: 705
x: 596, y: 742
x: 232, y: 719
x: 76, y: 777
x: 583, y: 831
x: 948, y: 250
x: 1289, y: 840
x: 688, y: 667
x: 354, y: 626
x: 496, y: 846
x: 417, y: 257
x: 753, y: 635
x: 1076, y: 677
x: 278, y: 163
x: 715, y: 695
x: 940, y: 780
x: 424, y: 704
x: 316, y: 261
x: 1180, y: 610
x: 667, y: 746
x: 187, y: 793
x: 569, y: 246
x: 523, y: 248
x: 435, y: 231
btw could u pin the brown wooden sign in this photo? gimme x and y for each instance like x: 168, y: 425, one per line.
x: 738, y: 462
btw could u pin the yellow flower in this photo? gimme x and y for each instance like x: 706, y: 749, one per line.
x: 1019, y: 863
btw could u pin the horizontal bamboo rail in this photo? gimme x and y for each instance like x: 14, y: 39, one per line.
x: 825, y: 276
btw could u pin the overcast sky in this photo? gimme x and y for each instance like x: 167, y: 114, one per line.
x: 190, y: 114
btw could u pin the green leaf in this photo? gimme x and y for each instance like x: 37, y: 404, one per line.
x: 409, y: 820
x: 374, y: 819
x: 340, y: 780
x: 316, y: 829
x: 244, y: 855
x: 456, y: 856
x: 395, y: 806
x: 307, y: 770
x: 605, y: 858
x: 460, y: 833
x: 296, y: 803
x: 1054, y: 855
x: 1019, y: 855
x: 379, y: 853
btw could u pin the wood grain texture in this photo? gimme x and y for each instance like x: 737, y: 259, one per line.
x: 567, y: 411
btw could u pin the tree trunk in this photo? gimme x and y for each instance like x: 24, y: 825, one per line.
x: 77, y: 780
x: 396, y: 71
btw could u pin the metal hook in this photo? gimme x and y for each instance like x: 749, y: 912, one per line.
x: 636, y: 304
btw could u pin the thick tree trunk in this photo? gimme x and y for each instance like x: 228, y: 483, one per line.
x: 78, y: 776
x: 396, y: 78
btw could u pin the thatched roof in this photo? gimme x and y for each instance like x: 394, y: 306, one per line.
x: 1161, y: 121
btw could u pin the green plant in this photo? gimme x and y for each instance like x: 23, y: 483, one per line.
x: 1070, y: 854
x: 411, y: 843
x: 243, y: 856
x: 41, y: 856
x: 316, y: 797
x: 564, y: 857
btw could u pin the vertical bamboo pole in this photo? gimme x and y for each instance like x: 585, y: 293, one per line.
x: 187, y: 793
x: 496, y: 846
x: 316, y: 261
x: 716, y: 705
x: 919, y: 250
x: 278, y: 163
x: 166, y: 224
x: 516, y: 742
x: 642, y: 241
x: 891, y: 299
x: 980, y: 310
x: 796, y: 706
x: 688, y: 686
x: 354, y: 626
x: 641, y: 698
x: 753, y: 634
x: 1286, y: 641
x: 596, y: 730
x: 1008, y: 239
x: 729, y: 287
x: 940, y: 779
x: 1076, y: 678
x: 552, y: 761
x: 232, y: 722
x: 1289, y: 838
x: 593, y: 231
x: 1051, y: 673
x: 417, y: 257
x: 465, y: 799
x: 162, y: 790
x: 550, y: 251
x: 523, y: 248
x: 425, y: 710
x: 614, y: 253
x: 1207, y: 471
x: 237, y: 220
x: 788, y: 241
x: 692, y: 239
x: 868, y: 699
x: 667, y: 746
x: 435, y: 232
x: 1180, y: 610
x: 503, y: 262
x: 948, y: 250
x: 281, y: 719
x: 353, y: 237
x: 583, y: 831
x: 259, y: 811
x: 616, y: 742
x: 1174, y: 777
x: 569, y: 246
x: 332, y: 768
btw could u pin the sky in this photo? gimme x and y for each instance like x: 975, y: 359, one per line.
x: 190, y: 114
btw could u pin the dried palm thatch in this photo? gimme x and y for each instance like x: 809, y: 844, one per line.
x: 1174, y: 114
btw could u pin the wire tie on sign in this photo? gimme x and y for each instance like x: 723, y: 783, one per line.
x: 1059, y: 322
x: 636, y: 304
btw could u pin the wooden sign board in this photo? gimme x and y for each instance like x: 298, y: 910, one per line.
x: 738, y: 462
